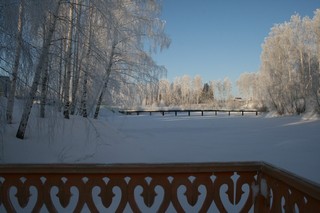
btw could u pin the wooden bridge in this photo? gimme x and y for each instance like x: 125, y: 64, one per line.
x: 189, y: 111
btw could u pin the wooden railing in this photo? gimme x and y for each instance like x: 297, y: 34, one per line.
x: 176, y: 111
x: 189, y: 187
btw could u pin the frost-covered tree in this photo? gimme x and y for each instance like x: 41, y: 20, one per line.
x: 315, y: 66
x: 136, y: 31
x: 290, y: 66
x: 80, y: 52
x: 224, y: 91
x: 197, y: 88
x: 39, y: 69
x: 212, y: 89
x: 186, y: 90
x: 247, y: 85
x: 77, y: 53
x: 177, y: 91
x: 165, y: 95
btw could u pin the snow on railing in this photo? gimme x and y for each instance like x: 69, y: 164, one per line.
x: 192, y: 187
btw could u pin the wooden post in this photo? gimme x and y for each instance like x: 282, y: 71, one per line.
x: 229, y: 113
x: 242, y: 112
x: 201, y: 112
x: 162, y: 113
x: 188, y: 113
x: 175, y: 113
x: 215, y: 112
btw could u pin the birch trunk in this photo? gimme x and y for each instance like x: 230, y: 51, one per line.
x: 96, y: 113
x: 44, y: 81
x: 60, y: 84
x: 44, y: 89
x: 66, y: 111
x: 40, y: 67
x: 83, y: 108
x: 77, y: 63
x: 11, y: 96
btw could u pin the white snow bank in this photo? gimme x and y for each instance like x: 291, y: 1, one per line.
x: 311, y: 116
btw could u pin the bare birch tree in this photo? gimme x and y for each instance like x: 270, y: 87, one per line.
x: 41, y: 65
x: 78, y: 58
x: 10, y: 102
x: 130, y: 27
x: 87, y: 66
x: 66, y: 110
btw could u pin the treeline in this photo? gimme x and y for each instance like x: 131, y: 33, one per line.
x: 73, y: 53
x: 288, y: 81
x: 186, y: 91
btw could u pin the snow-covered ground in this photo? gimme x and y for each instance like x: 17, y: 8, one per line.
x: 290, y: 142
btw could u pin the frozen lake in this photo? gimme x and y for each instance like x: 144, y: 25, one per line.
x: 289, y: 142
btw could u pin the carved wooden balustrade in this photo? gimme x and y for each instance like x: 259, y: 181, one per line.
x: 194, y: 187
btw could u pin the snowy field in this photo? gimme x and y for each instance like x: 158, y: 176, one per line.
x: 292, y: 142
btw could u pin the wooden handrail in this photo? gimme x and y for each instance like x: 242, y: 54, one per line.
x: 257, y: 185
x: 308, y: 187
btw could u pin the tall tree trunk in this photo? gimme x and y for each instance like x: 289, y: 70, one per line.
x: 10, y: 102
x: 96, y: 113
x: 77, y: 63
x: 66, y: 111
x: 44, y: 81
x: 105, y: 85
x: 36, y: 78
x: 83, y: 107
x: 44, y: 89
x: 60, y: 84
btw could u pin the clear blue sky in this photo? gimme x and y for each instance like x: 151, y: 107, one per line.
x: 222, y: 38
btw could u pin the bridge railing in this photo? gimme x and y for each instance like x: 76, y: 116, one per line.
x: 189, y: 111
x: 198, y: 187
